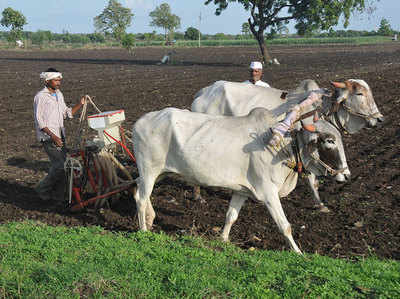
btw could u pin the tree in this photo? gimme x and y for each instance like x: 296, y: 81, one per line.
x: 246, y: 29
x: 385, y: 28
x: 41, y: 37
x: 192, y: 33
x: 15, y: 20
x: 179, y: 35
x: 162, y: 17
x: 114, y: 19
x: 220, y: 36
x: 282, y: 30
x: 96, y: 37
x: 150, y: 36
x: 308, y: 15
x: 128, y: 42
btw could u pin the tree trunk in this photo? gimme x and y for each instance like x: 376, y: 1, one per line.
x: 263, y: 48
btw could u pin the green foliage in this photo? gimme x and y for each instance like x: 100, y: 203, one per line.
x: 385, y: 28
x: 148, y: 37
x: 179, y: 35
x: 128, y: 42
x: 163, y: 17
x: 14, y: 20
x: 79, y: 39
x: 47, y: 39
x: 40, y: 37
x: 3, y: 35
x: 60, y: 262
x: 308, y: 15
x: 114, y: 19
x: 96, y: 37
x: 246, y: 29
x: 66, y: 37
x: 192, y: 33
x: 220, y: 36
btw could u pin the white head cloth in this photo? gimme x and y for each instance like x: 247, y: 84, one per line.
x: 256, y: 65
x: 46, y: 76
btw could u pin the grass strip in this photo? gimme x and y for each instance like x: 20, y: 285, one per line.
x: 213, y: 43
x: 40, y: 261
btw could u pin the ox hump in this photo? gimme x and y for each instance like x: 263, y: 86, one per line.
x: 260, y: 114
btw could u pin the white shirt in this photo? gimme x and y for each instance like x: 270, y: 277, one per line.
x: 258, y: 83
x: 50, y: 111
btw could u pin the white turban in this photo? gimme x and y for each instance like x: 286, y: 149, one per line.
x: 256, y: 65
x: 46, y: 76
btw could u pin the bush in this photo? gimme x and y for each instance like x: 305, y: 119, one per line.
x: 128, y: 42
x: 96, y: 37
x: 191, y: 33
x: 41, y: 36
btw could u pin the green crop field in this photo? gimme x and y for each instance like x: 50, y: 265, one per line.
x: 210, y: 43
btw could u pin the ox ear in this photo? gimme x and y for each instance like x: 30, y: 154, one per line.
x: 339, y: 85
x: 354, y: 86
x: 351, y: 85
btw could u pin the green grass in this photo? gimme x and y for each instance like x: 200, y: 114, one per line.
x: 40, y: 261
x: 214, y: 43
x: 286, y: 41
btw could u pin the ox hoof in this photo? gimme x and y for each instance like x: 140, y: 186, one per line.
x: 199, y: 198
x: 149, y: 223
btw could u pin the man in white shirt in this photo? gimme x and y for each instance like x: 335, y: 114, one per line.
x: 256, y: 72
x: 49, y: 114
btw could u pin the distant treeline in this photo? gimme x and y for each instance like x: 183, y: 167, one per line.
x: 44, y: 37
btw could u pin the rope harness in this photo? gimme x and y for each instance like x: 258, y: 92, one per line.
x: 294, y: 160
x: 333, y: 111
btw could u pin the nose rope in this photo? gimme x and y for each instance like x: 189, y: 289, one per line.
x: 334, y: 112
x: 328, y: 169
x: 335, y: 108
x: 295, y: 162
x: 365, y: 116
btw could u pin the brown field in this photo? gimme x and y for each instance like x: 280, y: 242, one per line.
x: 365, y: 213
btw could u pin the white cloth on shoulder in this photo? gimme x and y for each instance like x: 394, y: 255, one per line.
x: 258, y: 83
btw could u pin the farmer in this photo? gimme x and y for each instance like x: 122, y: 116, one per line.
x: 49, y: 114
x: 256, y: 72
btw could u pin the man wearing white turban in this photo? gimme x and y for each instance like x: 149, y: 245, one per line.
x: 50, y: 111
x: 256, y: 72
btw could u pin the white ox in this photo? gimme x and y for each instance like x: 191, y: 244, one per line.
x: 229, y: 152
x: 353, y: 102
x: 351, y: 109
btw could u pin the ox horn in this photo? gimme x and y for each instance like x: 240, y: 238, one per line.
x: 339, y: 85
x: 310, y: 128
x: 315, y: 117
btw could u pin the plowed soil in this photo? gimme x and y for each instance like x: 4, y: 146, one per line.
x: 365, y: 213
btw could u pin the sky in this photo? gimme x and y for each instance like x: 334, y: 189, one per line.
x: 76, y: 16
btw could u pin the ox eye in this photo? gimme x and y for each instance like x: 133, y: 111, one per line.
x: 359, y: 94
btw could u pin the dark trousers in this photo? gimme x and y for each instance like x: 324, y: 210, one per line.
x: 52, y: 187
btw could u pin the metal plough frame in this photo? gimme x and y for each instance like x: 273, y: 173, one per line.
x: 83, y: 169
